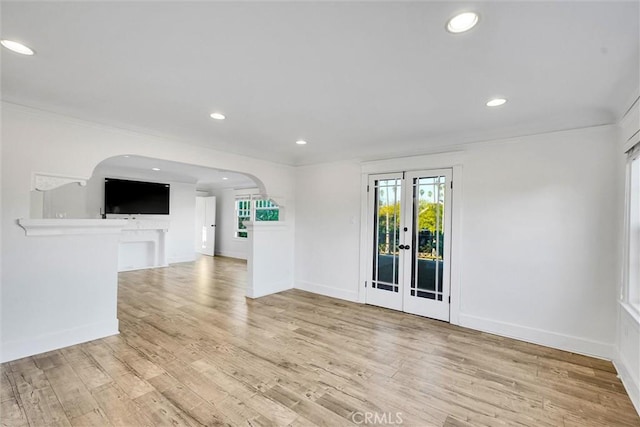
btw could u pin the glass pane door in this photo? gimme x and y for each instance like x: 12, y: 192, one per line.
x: 385, y: 194
x: 427, y: 292
x: 428, y: 237
x: 410, y: 229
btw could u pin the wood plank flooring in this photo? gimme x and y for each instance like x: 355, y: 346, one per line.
x: 193, y: 351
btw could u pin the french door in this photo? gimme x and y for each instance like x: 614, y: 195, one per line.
x: 409, y: 228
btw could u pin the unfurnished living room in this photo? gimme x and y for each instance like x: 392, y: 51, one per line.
x: 332, y: 213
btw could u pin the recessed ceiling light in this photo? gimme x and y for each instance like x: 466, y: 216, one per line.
x: 217, y: 116
x: 496, y: 102
x: 126, y: 157
x: 225, y: 178
x: 17, y: 47
x: 462, y: 22
x: 301, y: 142
x: 155, y: 169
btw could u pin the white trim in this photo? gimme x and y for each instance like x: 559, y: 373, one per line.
x: 146, y: 267
x: 632, y: 311
x: 183, y: 258
x: 18, y: 349
x: 271, y: 288
x: 328, y: 291
x: 265, y: 225
x: 55, y: 227
x: 630, y: 126
x: 146, y: 224
x: 546, y: 338
x: 456, y: 245
x: 632, y: 388
x: 233, y: 254
x: 628, y: 317
x: 42, y: 181
x: 429, y: 161
x: 364, y: 238
x: 630, y: 243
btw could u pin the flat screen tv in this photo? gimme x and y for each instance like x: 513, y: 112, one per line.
x: 135, y: 197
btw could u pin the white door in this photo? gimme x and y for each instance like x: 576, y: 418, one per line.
x: 410, y: 234
x: 205, y: 225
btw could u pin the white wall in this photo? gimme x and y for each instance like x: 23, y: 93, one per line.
x: 270, y: 265
x: 227, y: 244
x: 538, y: 248
x: 46, y: 282
x: 328, y: 229
x: 53, y: 297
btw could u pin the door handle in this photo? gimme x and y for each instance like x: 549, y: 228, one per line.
x: 401, y: 247
x: 407, y: 247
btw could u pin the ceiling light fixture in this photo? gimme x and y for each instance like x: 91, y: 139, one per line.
x: 217, y: 116
x: 155, y: 169
x: 462, y: 22
x: 496, y: 102
x: 301, y: 142
x: 17, y: 47
x: 225, y: 178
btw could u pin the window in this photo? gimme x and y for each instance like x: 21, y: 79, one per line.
x: 243, y: 213
x: 631, y: 293
x: 266, y: 210
x: 249, y: 209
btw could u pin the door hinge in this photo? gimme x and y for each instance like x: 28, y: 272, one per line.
x: 367, y: 188
x: 452, y: 185
x: 449, y: 299
x: 365, y: 283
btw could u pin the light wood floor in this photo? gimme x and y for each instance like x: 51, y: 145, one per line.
x: 193, y: 351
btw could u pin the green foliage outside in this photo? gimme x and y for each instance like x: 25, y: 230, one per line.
x: 430, y: 229
x: 265, y: 211
x: 267, y: 214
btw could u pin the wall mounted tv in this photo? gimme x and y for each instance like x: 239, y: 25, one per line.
x: 135, y: 197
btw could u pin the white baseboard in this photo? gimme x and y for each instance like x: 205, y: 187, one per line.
x: 265, y: 290
x: 539, y: 336
x: 18, y: 349
x: 632, y: 387
x: 231, y: 254
x: 148, y: 267
x: 184, y: 258
x: 327, y: 290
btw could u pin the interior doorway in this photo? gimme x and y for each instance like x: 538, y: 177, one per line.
x: 409, y: 229
x: 205, y: 225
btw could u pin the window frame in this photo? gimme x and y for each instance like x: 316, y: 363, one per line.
x: 238, y: 230
x: 253, y: 200
x: 630, y: 295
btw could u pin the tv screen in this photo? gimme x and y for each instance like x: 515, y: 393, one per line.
x: 135, y: 197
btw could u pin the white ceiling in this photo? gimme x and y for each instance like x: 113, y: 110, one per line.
x: 137, y: 167
x: 357, y: 80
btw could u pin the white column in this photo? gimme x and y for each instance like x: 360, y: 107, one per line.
x: 270, y: 257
